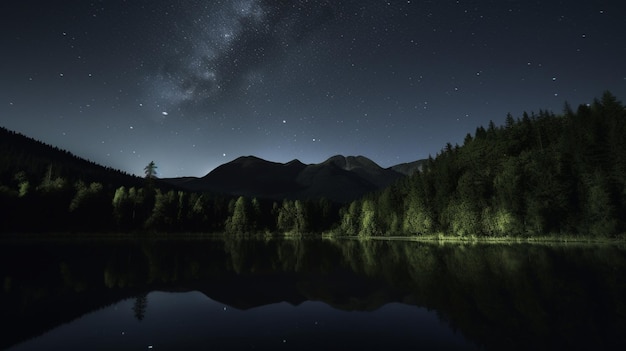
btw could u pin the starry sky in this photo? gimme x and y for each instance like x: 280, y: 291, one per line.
x: 194, y: 84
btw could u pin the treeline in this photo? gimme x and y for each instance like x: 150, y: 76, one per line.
x: 541, y: 174
x: 46, y: 189
x: 57, y: 205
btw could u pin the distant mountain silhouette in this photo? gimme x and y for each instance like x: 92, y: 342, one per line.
x: 339, y: 178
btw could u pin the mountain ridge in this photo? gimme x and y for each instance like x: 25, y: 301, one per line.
x: 339, y: 178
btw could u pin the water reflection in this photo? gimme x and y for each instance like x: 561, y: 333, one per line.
x: 175, y: 321
x: 312, y: 294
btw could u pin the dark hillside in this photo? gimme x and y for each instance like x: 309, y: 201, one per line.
x: 339, y: 178
x: 252, y: 176
x: 46, y: 189
x: 22, y: 156
x: 541, y: 174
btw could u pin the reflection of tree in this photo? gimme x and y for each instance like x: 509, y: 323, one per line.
x: 535, y: 296
x: 139, y: 308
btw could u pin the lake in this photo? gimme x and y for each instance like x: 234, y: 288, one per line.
x: 134, y: 294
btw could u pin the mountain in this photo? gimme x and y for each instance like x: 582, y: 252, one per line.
x: 409, y: 168
x: 339, y: 178
x: 34, y: 160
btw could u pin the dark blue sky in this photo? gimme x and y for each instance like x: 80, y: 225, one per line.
x: 193, y: 84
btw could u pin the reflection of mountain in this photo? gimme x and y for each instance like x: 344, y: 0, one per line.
x: 339, y: 178
x: 341, y: 290
x: 518, y: 297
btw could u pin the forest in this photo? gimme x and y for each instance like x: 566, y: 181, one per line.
x: 536, y: 175
x: 541, y: 174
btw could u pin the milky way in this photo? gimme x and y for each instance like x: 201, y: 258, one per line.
x: 193, y: 84
x: 222, y: 49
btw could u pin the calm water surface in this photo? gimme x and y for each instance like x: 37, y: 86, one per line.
x: 309, y: 295
x: 190, y: 320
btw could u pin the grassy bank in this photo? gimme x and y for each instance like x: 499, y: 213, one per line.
x: 443, y: 239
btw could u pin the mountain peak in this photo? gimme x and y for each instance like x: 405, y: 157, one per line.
x: 349, y: 163
x: 247, y: 160
x: 294, y: 162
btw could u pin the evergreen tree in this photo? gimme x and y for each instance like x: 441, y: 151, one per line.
x: 369, y: 225
x: 164, y: 216
x: 301, y: 217
x: 150, y: 170
x: 286, y: 218
x: 350, y: 219
x: 239, y: 221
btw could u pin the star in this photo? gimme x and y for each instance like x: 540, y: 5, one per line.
x: 250, y: 77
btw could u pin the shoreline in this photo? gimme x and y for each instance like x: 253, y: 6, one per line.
x: 434, y: 239
x: 507, y: 240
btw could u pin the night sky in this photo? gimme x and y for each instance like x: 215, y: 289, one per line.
x: 194, y: 84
